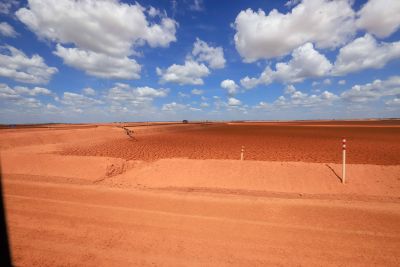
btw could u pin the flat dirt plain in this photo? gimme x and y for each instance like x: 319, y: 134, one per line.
x: 178, y: 195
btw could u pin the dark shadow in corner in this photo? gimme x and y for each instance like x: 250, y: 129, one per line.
x: 334, y: 172
x: 5, y: 253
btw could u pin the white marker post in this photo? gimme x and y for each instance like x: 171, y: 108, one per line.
x: 242, y: 153
x: 344, y: 161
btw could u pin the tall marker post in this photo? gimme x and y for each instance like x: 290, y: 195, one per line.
x: 344, y: 161
x: 242, y: 153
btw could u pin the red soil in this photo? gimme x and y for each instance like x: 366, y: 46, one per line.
x: 67, y: 210
x: 367, y: 143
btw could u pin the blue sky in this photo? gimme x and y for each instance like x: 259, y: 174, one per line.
x: 110, y: 60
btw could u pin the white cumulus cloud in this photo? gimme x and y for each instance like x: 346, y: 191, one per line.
x: 197, y: 92
x: 373, y: 91
x: 7, y: 92
x: 213, y: 56
x: 306, y: 62
x: 52, y: 108
x: 101, y: 31
x: 20, y: 96
x: 7, y: 6
x: 191, y: 72
x: 234, y: 101
x: 125, y: 25
x: 7, y: 30
x: 195, y: 66
x: 363, y: 53
x: 393, y: 102
x: 32, y: 92
x: 204, y: 105
x: 151, y: 92
x: 78, y: 101
x: 173, y: 106
x: 123, y: 96
x: 328, y: 24
x: 98, y: 64
x: 380, y: 17
x: 230, y: 86
x: 89, y: 91
x: 295, y: 98
x: 14, y: 64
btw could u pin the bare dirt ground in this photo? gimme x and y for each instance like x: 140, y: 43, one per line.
x: 88, y: 195
x: 266, y: 142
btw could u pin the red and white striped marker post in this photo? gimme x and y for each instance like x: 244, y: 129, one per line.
x: 344, y: 161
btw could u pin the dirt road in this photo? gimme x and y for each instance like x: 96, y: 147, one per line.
x: 59, y: 224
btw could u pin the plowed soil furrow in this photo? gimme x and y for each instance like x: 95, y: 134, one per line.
x: 366, y: 145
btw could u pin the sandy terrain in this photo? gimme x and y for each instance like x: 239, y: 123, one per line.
x: 88, y: 195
